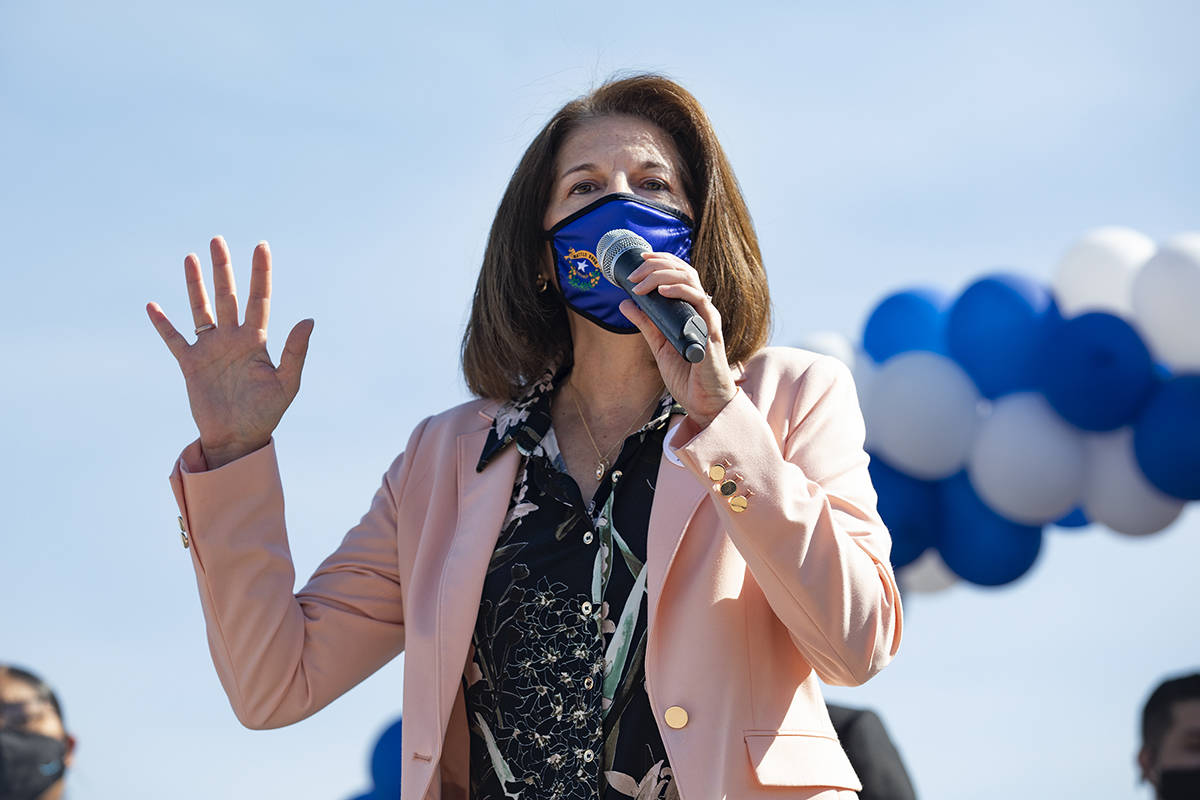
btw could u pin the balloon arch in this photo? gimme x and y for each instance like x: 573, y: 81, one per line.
x: 1014, y: 406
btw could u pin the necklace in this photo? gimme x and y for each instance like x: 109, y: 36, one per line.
x: 603, y: 463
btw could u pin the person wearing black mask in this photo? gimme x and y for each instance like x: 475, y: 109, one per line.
x: 1170, y: 755
x: 35, y: 749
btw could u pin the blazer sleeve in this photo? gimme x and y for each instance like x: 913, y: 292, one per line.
x: 810, y: 532
x: 282, y: 656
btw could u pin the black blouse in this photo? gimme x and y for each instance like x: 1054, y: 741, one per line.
x: 555, y: 695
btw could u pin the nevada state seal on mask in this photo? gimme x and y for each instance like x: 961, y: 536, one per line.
x: 583, y: 287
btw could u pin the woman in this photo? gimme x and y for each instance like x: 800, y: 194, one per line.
x: 35, y: 748
x: 614, y: 574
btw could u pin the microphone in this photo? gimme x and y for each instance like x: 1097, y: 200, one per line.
x: 620, y: 253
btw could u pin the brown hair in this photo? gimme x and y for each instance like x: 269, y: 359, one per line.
x: 1157, y: 713
x: 39, y: 686
x: 515, y: 333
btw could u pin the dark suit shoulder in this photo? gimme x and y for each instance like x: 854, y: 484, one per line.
x: 872, y: 753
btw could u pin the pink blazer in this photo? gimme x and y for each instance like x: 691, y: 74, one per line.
x: 747, y: 610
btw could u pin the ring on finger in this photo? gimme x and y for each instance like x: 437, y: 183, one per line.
x: 208, y: 326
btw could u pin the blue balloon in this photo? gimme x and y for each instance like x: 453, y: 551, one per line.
x: 978, y: 544
x: 914, y: 319
x: 908, y: 507
x: 1076, y: 519
x: 386, y: 760
x: 1096, y: 372
x: 995, y: 330
x: 1166, y: 439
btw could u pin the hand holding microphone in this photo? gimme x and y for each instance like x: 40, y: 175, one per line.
x: 701, y: 380
x: 620, y: 252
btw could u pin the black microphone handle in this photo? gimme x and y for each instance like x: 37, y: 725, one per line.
x: 677, y: 319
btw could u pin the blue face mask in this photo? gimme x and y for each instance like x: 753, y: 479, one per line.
x: 583, y: 287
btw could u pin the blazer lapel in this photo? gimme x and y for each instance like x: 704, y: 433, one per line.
x: 677, y: 495
x: 482, y: 503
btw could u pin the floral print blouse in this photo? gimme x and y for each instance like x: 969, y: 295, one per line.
x: 555, y: 694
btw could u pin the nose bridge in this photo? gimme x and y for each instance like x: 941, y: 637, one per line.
x: 619, y: 182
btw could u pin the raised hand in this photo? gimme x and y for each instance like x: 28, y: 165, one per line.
x: 236, y: 393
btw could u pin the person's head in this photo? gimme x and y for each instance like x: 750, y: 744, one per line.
x: 1170, y: 754
x: 35, y: 748
x: 644, y: 135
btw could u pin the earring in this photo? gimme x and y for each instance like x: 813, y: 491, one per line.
x: 542, y: 284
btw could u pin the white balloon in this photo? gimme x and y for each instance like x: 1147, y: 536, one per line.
x: 1027, y: 463
x: 829, y: 343
x: 1097, y: 272
x: 928, y: 574
x: 1166, y: 302
x: 922, y: 414
x: 1115, y: 492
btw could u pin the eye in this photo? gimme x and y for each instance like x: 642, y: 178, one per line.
x: 583, y: 187
x: 655, y: 185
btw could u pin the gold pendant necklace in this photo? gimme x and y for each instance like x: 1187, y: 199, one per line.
x: 603, y: 463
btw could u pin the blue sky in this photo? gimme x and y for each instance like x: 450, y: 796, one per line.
x: 878, y: 146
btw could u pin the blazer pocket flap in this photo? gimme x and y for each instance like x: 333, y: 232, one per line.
x: 800, y: 759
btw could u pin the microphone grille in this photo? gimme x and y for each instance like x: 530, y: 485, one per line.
x: 615, y: 244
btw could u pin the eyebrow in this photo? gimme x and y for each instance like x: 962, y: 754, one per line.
x: 579, y: 168
x: 655, y: 165
x: 588, y: 167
